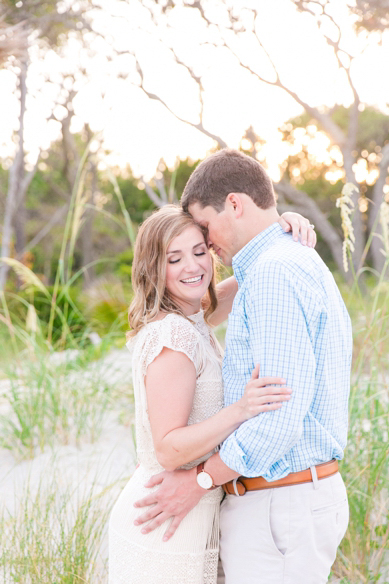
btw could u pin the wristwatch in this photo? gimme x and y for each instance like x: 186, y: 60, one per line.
x: 203, y: 478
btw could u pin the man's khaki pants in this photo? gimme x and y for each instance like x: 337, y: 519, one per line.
x: 287, y: 535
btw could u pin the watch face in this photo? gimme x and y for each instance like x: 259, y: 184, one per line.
x: 204, y: 480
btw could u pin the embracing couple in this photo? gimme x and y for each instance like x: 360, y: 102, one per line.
x: 259, y: 430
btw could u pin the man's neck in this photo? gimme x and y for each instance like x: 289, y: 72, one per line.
x: 257, y: 221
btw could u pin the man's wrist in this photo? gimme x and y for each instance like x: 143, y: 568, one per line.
x: 220, y: 472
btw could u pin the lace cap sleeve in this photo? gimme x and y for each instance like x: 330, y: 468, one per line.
x: 176, y: 333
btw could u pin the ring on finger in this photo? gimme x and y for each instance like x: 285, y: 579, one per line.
x: 311, y: 225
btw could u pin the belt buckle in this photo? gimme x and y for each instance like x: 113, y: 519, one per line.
x: 235, y: 483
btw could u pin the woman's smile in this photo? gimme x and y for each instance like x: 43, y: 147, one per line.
x: 188, y: 269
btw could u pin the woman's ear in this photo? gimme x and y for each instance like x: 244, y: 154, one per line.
x: 235, y: 204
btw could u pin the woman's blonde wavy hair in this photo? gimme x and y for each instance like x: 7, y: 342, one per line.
x: 149, y: 268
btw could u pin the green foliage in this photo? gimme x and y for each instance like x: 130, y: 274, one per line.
x: 56, y: 537
x: 106, y: 304
x: 373, y: 126
x: 123, y: 264
x: 51, y: 404
x: 136, y: 200
x: 68, y: 306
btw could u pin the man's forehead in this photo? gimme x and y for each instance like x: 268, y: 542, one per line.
x: 200, y: 213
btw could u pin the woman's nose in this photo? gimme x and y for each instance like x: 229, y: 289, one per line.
x: 191, y: 264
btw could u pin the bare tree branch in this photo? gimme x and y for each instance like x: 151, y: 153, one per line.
x: 153, y: 195
x: 198, y: 126
x: 161, y: 187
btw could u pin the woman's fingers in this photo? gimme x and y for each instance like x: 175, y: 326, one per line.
x: 284, y: 224
x: 296, y: 229
x: 266, y: 408
x: 255, y: 373
x: 311, y: 237
x: 264, y: 390
x: 304, y: 232
x: 261, y: 381
x: 265, y: 399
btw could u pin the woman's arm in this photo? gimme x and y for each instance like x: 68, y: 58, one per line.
x: 170, y: 387
x: 226, y: 290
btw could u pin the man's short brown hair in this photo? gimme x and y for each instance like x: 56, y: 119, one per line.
x: 228, y: 171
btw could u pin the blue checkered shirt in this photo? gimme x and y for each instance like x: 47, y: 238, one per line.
x: 289, y: 317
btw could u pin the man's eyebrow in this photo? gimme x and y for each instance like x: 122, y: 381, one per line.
x: 194, y: 247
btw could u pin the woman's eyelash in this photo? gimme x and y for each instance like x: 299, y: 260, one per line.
x: 196, y: 254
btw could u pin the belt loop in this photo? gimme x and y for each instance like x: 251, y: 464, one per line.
x: 315, y: 480
x: 235, y: 487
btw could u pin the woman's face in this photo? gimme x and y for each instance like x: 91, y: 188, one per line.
x: 189, y: 269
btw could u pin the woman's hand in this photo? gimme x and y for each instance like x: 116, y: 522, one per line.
x: 300, y: 226
x: 258, y: 397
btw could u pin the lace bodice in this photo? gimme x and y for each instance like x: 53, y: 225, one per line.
x: 193, y: 338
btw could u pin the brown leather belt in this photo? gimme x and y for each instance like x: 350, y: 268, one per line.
x: 240, y: 485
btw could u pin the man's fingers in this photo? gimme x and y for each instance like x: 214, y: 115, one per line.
x: 172, y: 529
x: 146, y: 501
x: 148, y: 515
x: 161, y: 518
x: 155, y: 480
x: 255, y: 373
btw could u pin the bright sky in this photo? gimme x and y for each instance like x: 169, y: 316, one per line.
x: 139, y: 132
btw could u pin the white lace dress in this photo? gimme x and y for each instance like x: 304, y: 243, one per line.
x: 191, y: 555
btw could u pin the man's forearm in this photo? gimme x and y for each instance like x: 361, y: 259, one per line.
x: 220, y: 472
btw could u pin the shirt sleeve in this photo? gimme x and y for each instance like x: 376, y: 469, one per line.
x: 281, y: 340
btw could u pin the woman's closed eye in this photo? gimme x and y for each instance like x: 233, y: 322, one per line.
x: 201, y: 253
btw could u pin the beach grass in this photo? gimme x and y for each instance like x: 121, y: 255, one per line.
x: 47, y: 404
x: 55, y: 536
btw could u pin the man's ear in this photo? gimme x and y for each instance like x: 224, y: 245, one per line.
x: 235, y: 204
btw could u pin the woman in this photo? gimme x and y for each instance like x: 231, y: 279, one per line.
x: 178, y: 391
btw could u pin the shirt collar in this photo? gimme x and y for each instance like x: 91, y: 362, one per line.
x: 247, y: 256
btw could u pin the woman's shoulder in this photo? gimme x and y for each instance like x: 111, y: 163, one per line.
x: 171, y: 329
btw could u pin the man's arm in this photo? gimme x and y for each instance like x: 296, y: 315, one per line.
x: 178, y: 494
x: 282, y: 312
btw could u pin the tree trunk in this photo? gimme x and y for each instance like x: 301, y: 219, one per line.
x: 87, y: 233
x: 373, y: 222
x: 16, y: 175
x: 304, y: 204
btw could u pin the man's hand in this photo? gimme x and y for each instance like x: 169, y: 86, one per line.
x: 177, y: 495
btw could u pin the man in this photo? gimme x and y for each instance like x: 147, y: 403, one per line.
x: 284, y: 522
